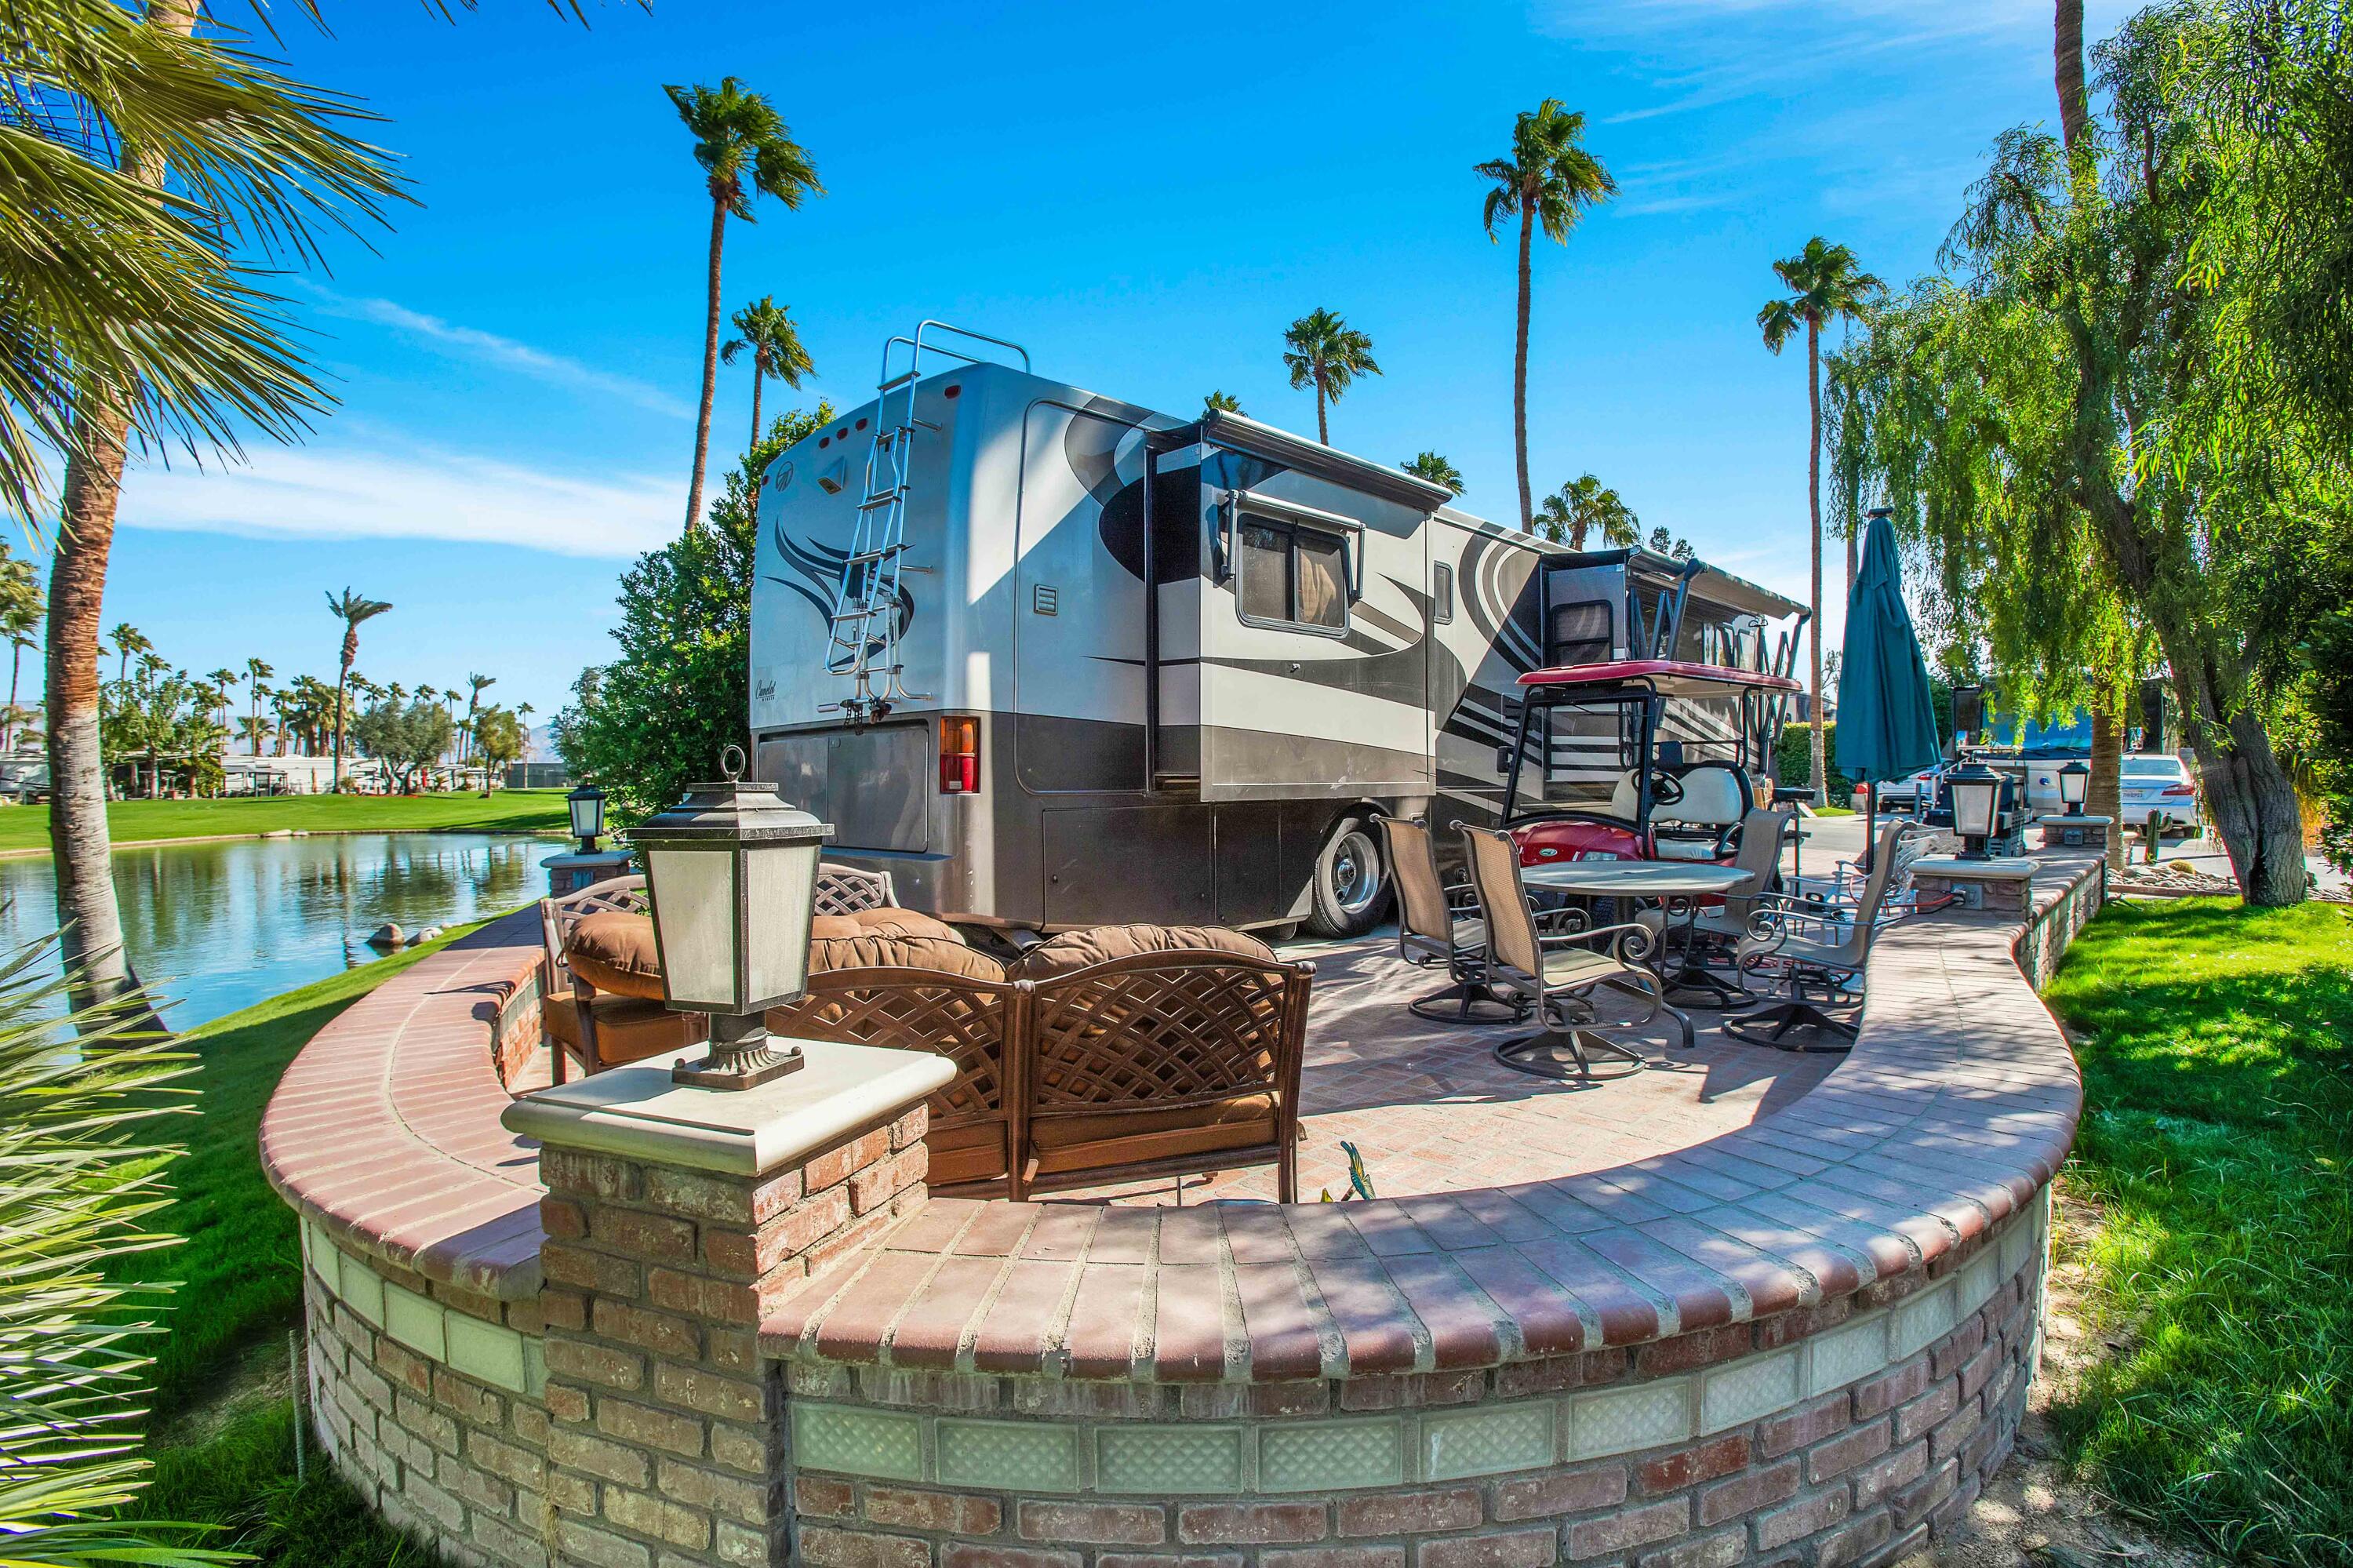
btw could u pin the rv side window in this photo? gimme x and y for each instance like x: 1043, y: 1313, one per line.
x: 1442, y: 594
x: 1294, y: 576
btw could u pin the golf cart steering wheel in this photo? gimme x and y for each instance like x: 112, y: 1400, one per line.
x: 1665, y: 787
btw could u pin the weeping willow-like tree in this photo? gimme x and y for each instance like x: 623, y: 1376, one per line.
x: 2096, y: 423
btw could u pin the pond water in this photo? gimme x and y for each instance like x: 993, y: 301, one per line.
x: 218, y: 927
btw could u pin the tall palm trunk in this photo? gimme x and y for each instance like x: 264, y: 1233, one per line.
x: 1322, y: 426
x: 15, y: 673
x: 90, y: 923
x: 342, y: 678
x: 1520, y: 365
x: 2067, y: 69
x: 710, y: 363
x: 1819, y: 764
x: 2103, y: 791
x: 756, y: 379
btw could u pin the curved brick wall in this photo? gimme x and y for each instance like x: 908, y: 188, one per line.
x: 1809, y: 1340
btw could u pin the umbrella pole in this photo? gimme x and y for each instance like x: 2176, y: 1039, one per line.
x: 1870, y: 828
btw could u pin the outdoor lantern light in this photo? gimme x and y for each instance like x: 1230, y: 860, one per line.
x: 730, y: 871
x: 586, y: 805
x: 2074, y: 780
x: 1975, y: 787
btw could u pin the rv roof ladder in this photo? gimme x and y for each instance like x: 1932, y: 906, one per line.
x: 866, y: 620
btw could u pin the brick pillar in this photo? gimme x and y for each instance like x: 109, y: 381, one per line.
x: 673, y: 1214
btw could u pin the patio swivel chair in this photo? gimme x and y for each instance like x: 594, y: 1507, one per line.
x: 1439, y: 925
x: 1818, y: 950
x: 1558, y: 971
x: 1716, y: 932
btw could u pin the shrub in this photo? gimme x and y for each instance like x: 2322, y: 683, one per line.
x: 655, y: 720
x: 1793, y: 761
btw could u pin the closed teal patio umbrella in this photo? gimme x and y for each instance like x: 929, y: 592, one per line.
x: 1886, y: 718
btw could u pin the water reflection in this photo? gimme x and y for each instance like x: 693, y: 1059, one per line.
x: 217, y: 926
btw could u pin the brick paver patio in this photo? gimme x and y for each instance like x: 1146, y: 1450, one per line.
x: 1430, y: 1109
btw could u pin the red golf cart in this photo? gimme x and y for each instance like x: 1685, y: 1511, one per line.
x: 1640, y: 759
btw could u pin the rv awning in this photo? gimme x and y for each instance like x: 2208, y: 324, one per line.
x: 1664, y: 677
x: 1239, y: 434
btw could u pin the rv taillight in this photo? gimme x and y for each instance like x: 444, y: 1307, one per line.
x: 959, y: 755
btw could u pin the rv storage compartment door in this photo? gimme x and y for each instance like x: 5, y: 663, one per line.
x: 874, y: 785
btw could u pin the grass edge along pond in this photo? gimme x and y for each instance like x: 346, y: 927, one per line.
x: 132, y: 823
x: 239, y: 1271
x: 2216, y: 1152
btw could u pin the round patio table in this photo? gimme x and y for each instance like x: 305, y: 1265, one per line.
x: 1678, y: 885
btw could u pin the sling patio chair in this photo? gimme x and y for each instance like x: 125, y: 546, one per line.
x: 1437, y: 925
x: 1717, y: 930
x: 1815, y: 951
x: 1558, y: 971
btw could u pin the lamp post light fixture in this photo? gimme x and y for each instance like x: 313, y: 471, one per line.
x: 2074, y: 782
x: 1975, y: 788
x: 730, y: 871
x: 586, y: 805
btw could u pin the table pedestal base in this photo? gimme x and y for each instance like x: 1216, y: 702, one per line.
x: 1568, y: 1055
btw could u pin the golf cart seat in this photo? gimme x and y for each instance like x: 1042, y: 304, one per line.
x: 1715, y: 799
x: 1624, y: 798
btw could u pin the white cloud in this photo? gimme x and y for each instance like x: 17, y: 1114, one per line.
x: 490, y: 348
x: 412, y: 493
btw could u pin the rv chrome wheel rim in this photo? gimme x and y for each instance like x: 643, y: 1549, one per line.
x: 1356, y: 872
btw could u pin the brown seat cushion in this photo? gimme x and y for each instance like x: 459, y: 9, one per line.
x: 1074, y: 950
x: 629, y: 1028
x: 908, y: 922
x: 845, y: 942
x: 1087, y: 1139
x: 614, y: 951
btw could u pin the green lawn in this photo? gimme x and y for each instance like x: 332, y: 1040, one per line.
x: 134, y: 821
x: 2217, y: 1045
x: 240, y: 1288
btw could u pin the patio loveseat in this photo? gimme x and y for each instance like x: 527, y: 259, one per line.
x: 1117, y: 1054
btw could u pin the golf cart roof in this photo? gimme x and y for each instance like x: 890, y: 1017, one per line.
x: 1660, y: 677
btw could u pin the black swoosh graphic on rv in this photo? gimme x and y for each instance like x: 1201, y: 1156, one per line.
x: 818, y: 568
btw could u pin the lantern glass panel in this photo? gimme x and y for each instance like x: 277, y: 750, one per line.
x: 588, y: 813
x: 780, y: 891
x: 694, y: 915
x: 2074, y: 779
x: 1973, y: 806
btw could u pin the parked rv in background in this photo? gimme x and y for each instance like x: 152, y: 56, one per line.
x: 966, y: 659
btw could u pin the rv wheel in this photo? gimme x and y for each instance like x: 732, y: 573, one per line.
x: 1352, y: 889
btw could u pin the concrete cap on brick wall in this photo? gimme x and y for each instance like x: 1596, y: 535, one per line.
x: 636, y: 1113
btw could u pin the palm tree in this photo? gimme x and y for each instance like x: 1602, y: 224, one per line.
x: 776, y: 344
x: 256, y: 670
x: 149, y: 329
x: 1435, y: 468
x: 351, y: 608
x: 1825, y: 284
x: 222, y: 680
x: 1324, y: 352
x: 1548, y: 180
x: 20, y: 613
x: 128, y: 639
x: 1584, y: 505
x: 1222, y: 403
x: 745, y: 150
x: 477, y: 685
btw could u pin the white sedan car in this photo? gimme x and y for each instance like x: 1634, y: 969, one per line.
x: 2160, y: 784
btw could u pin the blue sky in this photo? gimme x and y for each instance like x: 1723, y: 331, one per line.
x: 1143, y: 195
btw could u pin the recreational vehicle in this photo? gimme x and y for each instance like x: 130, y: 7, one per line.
x: 967, y: 658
